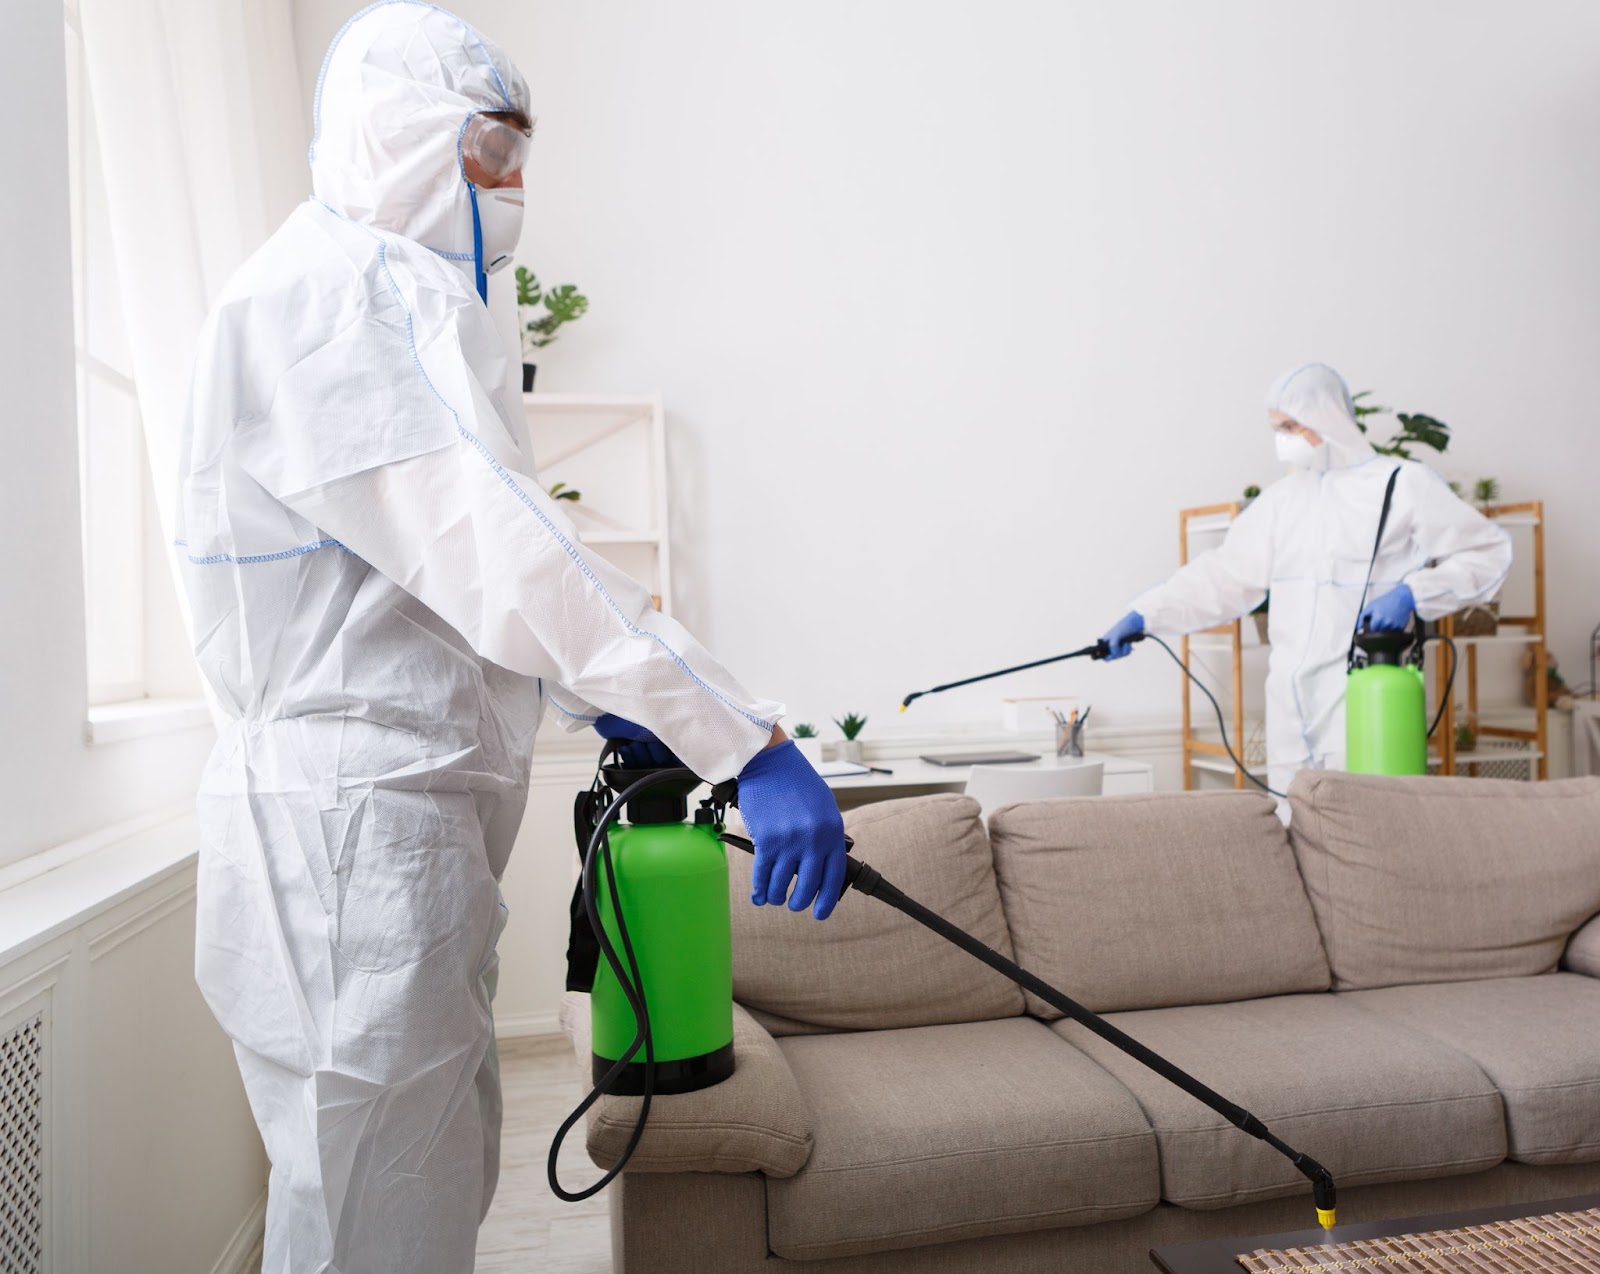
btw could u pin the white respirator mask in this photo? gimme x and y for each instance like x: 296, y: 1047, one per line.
x: 500, y: 223
x: 1294, y: 450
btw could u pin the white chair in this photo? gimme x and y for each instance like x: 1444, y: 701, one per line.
x: 995, y: 785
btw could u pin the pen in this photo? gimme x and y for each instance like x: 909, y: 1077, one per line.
x: 878, y: 769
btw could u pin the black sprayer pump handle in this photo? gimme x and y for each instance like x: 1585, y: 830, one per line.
x: 863, y: 878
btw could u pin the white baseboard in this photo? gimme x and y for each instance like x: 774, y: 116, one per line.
x: 243, y: 1253
x: 517, y: 1026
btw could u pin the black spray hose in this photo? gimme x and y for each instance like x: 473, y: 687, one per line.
x: 1102, y: 650
x: 865, y: 879
x: 1221, y: 724
x: 629, y: 979
x: 1449, y: 685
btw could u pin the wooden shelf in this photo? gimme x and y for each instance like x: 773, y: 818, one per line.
x: 1505, y: 639
x: 619, y: 537
x: 1487, y: 756
x: 1530, y: 633
x: 1199, y: 753
x: 1224, y: 765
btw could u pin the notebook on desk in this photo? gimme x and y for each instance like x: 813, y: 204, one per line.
x: 981, y: 758
x: 840, y: 769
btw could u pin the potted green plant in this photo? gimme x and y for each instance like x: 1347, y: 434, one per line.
x: 1416, y: 429
x: 543, y: 313
x: 851, y: 727
x: 807, y: 741
x: 1250, y: 494
x: 1485, y: 491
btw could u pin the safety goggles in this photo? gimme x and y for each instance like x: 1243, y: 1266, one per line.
x: 498, y: 146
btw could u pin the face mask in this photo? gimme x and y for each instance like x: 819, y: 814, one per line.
x: 500, y: 220
x: 1293, y: 449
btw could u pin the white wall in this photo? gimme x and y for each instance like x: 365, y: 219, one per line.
x: 53, y: 786
x: 953, y: 305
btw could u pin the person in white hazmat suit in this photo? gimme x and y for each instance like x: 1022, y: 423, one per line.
x: 384, y: 604
x: 1308, y: 540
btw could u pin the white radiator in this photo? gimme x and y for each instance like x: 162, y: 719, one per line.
x: 22, y: 1148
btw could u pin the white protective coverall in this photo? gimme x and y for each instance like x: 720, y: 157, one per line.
x: 384, y: 603
x: 1308, y: 539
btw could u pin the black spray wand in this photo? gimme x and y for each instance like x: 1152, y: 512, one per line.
x: 1097, y: 651
x: 865, y: 879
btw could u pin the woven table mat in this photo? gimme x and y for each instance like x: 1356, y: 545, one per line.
x: 1559, y: 1243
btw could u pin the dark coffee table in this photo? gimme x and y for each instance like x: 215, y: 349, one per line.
x: 1221, y: 1256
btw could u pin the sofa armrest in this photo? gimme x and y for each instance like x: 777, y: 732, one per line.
x: 754, y: 1121
x: 1583, y: 950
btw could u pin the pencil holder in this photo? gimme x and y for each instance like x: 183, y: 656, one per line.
x: 1069, y: 738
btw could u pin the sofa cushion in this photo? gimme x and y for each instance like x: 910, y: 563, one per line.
x: 869, y: 967
x: 1537, y: 1039
x: 754, y: 1121
x: 1137, y: 902
x: 939, y: 1133
x: 1583, y: 952
x: 1420, y: 880
x: 1370, y: 1099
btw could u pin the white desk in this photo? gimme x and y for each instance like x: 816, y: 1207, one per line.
x: 915, y: 777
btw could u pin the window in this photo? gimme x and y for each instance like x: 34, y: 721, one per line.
x: 124, y: 567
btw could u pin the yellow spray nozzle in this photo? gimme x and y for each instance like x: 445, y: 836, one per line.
x: 904, y: 706
x: 1326, y: 1217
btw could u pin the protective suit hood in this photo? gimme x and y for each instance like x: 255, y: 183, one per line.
x: 399, y: 85
x: 1316, y: 396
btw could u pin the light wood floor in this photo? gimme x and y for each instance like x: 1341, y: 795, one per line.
x: 528, y: 1228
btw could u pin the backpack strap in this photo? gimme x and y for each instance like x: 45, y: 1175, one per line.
x: 1372, y: 562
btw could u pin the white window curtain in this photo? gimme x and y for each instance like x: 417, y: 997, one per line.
x: 203, y: 135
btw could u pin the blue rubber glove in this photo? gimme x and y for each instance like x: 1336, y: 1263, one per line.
x: 1119, y: 636
x: 638, y: 748
x: 1391, y: 612
x: 795, y: 824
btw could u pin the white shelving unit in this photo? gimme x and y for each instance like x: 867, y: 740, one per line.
x: 613, y: 450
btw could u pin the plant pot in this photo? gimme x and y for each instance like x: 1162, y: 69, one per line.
x: 811, y: 749
x: 1260, y: 617
x: 848, y: 750
x: 528, y: 370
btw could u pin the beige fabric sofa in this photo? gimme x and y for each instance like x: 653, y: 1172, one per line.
x: 1406, y: 987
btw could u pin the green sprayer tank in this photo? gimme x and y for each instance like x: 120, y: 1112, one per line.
x: 672, y: 881
x: 1386, y: 707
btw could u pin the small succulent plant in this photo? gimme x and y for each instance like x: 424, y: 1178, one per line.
x: 851, y: 726
x: 561, y: 491
x: 804, y: 730
x: 1485, y: 491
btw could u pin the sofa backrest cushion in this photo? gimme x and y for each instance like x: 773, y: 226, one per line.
x: 1143, y: 902
x: 1583, y: 951
x: 868, y: 967
x: 1445, y: 879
